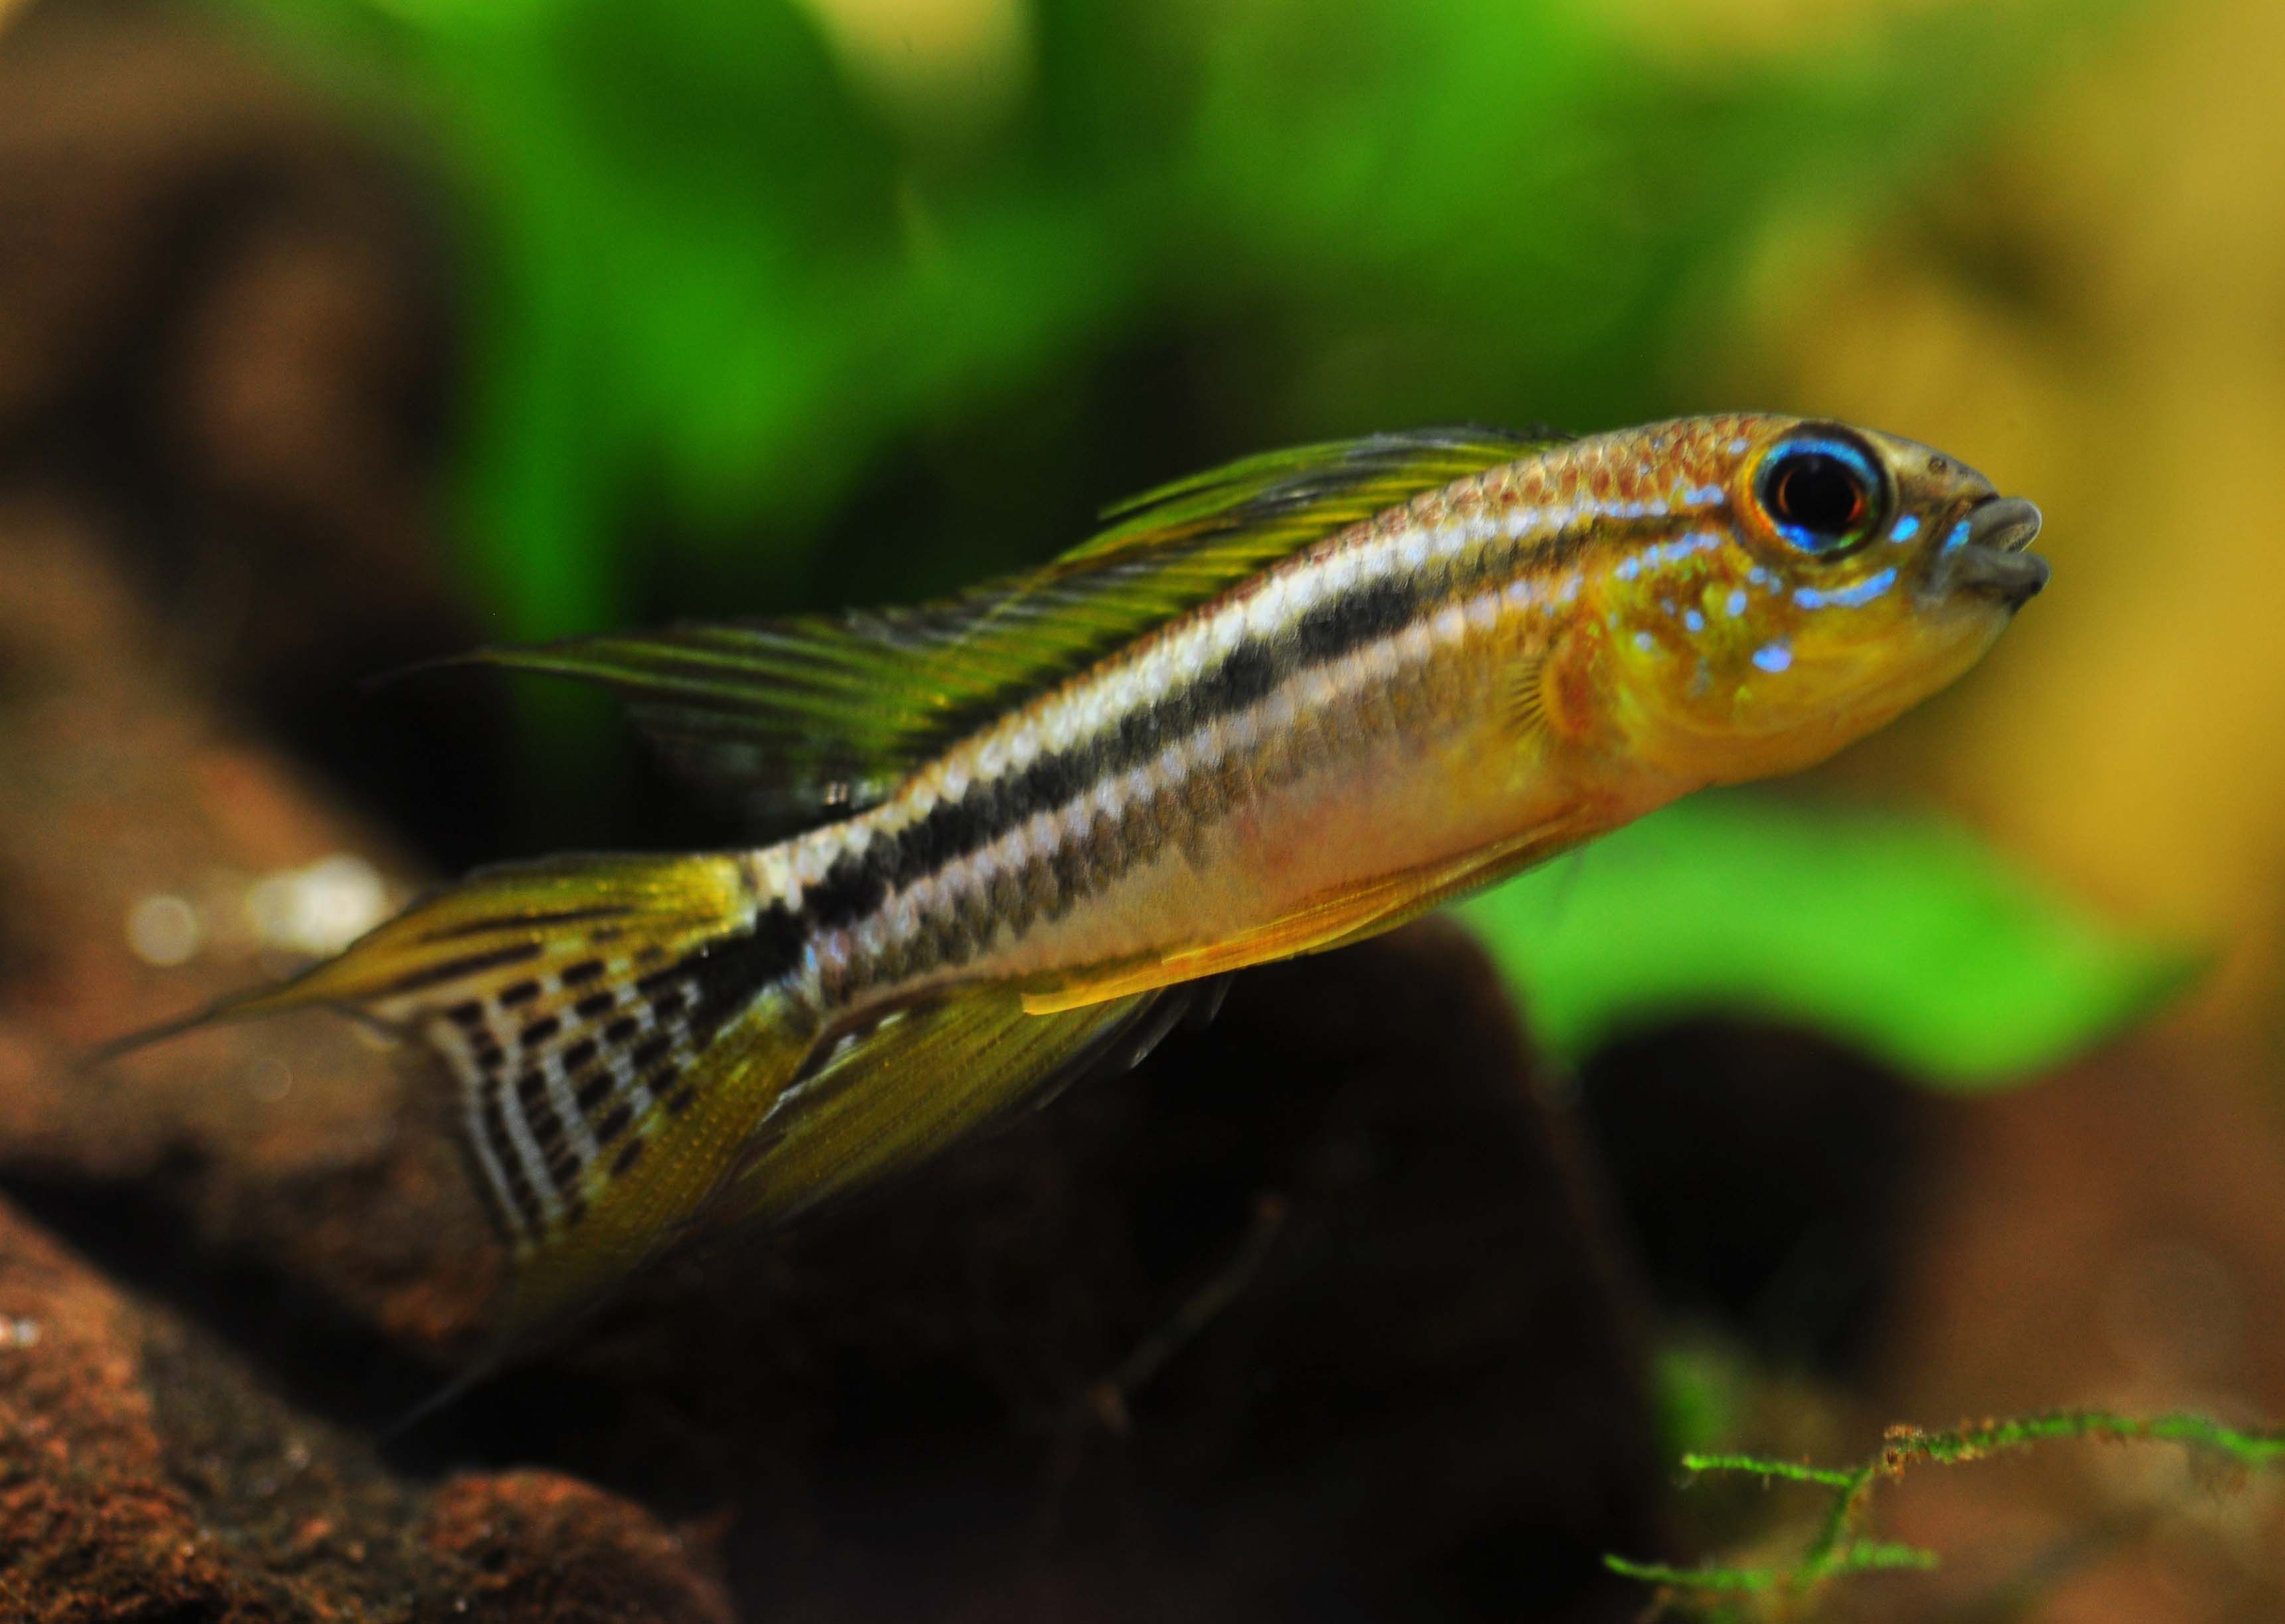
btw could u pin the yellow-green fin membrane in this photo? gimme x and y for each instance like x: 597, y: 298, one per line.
x: 813, y: 718
x: 885, y: 1098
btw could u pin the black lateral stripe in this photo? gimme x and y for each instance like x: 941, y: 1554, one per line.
x: 595, y: 1004
x: 727, y: 971
x: 580, y: 974
x: 1058, y: 777
x: 1380, y: 609
x: 541, y: 1030
x: 1368, y: 613
x: 852, y: 887
x: 593, y: 1092
x: 453, y: 969
x: 522, y: 992
x: 577, y: 1053
x: 1247, y: 675
x: 952, y: 831
x: 616, y: 1122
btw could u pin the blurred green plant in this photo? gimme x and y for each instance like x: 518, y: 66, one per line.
x: 1839, y: 1547
x: 1909, y: 937
x: 1700, y: 1389
x: 715, y: 276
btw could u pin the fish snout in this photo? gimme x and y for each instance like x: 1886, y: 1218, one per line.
x: 1990, y: 559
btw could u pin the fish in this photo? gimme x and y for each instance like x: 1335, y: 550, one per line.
x: 1009, y: 839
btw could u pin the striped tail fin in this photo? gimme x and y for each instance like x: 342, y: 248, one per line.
x: 612, y: 1026
x: 632, y: 1069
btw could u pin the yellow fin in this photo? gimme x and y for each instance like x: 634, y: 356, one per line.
x: 885, y: 1097
x: 1330, y: 920
x: 659, y: 1185
x: 606, y: 1024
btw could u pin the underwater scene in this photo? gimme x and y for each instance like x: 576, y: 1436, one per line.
x: 1415, y: 810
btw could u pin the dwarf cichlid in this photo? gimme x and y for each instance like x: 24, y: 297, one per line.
x: 1274, y: 708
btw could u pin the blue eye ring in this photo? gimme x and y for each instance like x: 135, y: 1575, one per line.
x: 1822, y: 494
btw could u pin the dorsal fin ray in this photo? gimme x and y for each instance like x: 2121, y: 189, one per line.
x: 804, y: 720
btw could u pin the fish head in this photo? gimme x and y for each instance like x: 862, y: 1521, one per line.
x: 1833, y: 577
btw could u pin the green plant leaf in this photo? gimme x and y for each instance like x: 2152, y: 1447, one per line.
x: 1906, y: 936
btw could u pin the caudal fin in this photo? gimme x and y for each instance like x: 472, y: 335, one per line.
x: 612, y: 1027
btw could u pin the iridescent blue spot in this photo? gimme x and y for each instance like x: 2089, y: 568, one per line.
x: 1736, y: 606
x: 1905, y: 528
x: 1849, y: 597
x: 1630, y: 566
x: 1692, y: 619
x: 1773, y: 657
x: 1644, y: 642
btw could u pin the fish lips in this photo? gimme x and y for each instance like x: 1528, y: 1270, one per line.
x: 1990, y: 560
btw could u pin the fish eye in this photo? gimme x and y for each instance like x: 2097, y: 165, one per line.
x: 1821, y: 495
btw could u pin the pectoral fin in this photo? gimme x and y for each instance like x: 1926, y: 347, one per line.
x: 885, y: 1097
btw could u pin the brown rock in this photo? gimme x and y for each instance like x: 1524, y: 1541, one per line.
x: 298, y: 1143
x: 144, y: 1475
x: 606, y: 1565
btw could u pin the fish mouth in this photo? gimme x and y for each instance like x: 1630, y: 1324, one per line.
x: 1990, y: 559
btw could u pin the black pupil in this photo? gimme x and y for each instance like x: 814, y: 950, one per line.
x: 1818, y: 493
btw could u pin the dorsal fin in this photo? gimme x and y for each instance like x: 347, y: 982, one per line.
x: 806, y: 719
